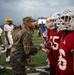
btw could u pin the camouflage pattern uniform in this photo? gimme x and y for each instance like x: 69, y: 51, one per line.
x: 21, y: 51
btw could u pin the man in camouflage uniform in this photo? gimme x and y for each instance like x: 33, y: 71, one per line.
x: 23, y: 47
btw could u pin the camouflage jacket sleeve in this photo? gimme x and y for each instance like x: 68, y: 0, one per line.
x: 28, y: 45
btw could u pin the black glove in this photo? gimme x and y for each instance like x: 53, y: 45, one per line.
x: 33, y: 51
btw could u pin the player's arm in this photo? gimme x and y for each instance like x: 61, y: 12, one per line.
x: 0, y: 37
x: 73, y: 60
x: 7, y: 37
x: 47, y: 45
x: 12, y: 32
x: 1, y: 41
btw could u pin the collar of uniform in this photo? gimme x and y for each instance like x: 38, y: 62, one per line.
x: 24, y: 29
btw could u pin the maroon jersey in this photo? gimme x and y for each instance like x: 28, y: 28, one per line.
x: 65, y: 62
x: 55, y: 39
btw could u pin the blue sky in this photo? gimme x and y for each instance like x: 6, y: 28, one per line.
x: 17, y: 9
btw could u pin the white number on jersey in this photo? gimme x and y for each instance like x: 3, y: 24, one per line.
x: 62, y: 62
x: 53, y: 38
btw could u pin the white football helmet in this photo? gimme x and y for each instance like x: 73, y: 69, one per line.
x: 51, y: 20
x: 66, y: 21
x: 48, y: 22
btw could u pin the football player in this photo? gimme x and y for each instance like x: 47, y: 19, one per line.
x: 8, y: 28
x: 54, y: 39
x: 1, y: 48
x: 66, y: 49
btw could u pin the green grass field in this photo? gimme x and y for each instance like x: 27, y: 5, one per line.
x: 37, y: 60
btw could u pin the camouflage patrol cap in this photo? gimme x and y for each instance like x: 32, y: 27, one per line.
x: 28, y: 19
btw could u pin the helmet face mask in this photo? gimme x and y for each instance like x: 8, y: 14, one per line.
x: 66, y: 21
x: 50, y: 24
x: 9, y: 22
x: 51, y: 20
